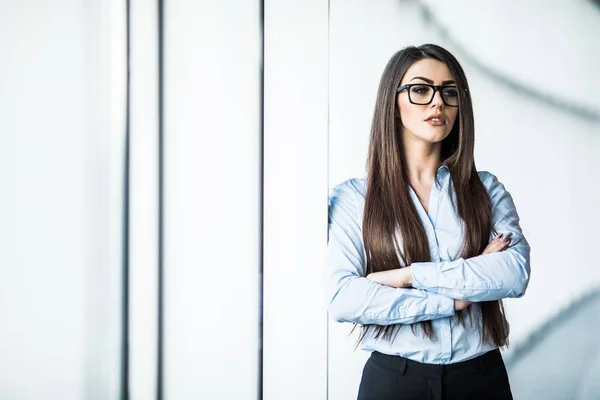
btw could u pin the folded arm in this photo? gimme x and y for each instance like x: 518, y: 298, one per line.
x: 489, y: 276
x: 352, y: 297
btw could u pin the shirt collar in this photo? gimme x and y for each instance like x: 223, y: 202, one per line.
x: 443, y: 169
x: 441, y: 173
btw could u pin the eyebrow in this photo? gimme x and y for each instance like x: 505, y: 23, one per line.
x: 430, y: 81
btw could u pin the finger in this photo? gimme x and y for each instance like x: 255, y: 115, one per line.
x: 501, y: 240
x: 495, y: 247
x: 504, y: 237
x: 502, y: 244
x: 496, y: 243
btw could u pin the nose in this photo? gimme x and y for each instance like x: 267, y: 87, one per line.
x: 437, y: 99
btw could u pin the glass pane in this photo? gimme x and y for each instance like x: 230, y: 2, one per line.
x: 212, y: 193
x: 62, y: 105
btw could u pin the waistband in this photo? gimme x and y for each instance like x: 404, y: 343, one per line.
x: 405, y: 366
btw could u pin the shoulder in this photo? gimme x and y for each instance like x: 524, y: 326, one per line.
x: 490, y: 181
x: 352, y: 187
x: 351, y: 192
x: 495, y: 188
x: 487, y: 178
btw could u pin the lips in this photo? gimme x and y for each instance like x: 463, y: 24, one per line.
x: 437, y: 118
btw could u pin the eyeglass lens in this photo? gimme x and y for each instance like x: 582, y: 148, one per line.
x: 423, y: 94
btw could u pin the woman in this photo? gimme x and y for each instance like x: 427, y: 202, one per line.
x: 423, y: 250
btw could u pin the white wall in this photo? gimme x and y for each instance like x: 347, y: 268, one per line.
x: 212, y: 199
x: 144, y: 200
x: 61, y: 147
x: 544, y: 156
x: 295, y: 200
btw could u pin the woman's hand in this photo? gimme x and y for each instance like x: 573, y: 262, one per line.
x: 499, y: 243
x: 402, y: 277
x: 399, y: 278
x: 461, y: 304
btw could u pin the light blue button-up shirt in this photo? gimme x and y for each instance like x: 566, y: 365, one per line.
x: 353, y: 298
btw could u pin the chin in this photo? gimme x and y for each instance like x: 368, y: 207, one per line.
x: 432, y: 136
x: 429, y: 138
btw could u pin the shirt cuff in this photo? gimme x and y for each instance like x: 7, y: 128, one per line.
x: 441, y: 305
x: 425, y: 276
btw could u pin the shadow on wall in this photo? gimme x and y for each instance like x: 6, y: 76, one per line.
x: 561, y: 360
x: 579, y: 110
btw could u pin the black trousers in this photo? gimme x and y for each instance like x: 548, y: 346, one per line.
x: 397, y: 378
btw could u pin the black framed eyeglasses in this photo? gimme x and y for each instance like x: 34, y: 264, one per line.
x: 422, y: 93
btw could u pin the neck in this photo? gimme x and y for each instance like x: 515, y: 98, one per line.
x: 422, y: 162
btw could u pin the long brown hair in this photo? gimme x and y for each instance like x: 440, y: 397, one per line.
x: 388, y: 205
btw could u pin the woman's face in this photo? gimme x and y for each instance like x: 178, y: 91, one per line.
x: 417, y: 122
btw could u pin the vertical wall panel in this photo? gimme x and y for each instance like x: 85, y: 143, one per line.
x: 143, y: 194
x: 61, y: 169
x: 295, y: 199
x: 211, y: 189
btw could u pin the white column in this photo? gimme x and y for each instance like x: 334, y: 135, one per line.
x: 143, y: 196
x: 295, y: 200
x: 61, y: 167
x: 212, y: 199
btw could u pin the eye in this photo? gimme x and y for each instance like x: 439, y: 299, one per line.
x: 420, y: 89
x: 451, y: 92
